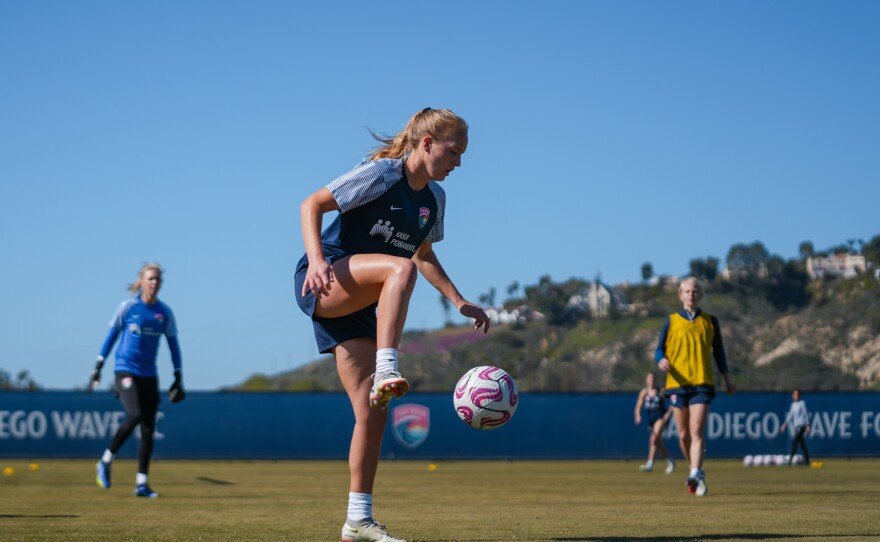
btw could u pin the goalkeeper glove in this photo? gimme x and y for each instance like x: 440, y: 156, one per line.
x: 95, y: 379
x: 177, y: 394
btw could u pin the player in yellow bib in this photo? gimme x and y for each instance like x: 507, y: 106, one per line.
x: 689, y: 340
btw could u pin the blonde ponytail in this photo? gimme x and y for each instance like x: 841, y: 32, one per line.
x: 437, y: 123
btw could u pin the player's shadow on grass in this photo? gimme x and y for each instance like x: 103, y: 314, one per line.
x: 214, y: 481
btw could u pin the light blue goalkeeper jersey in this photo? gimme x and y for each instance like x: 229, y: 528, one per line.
x: 141, y: 326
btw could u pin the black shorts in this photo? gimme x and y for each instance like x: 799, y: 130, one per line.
x: 652, y: 418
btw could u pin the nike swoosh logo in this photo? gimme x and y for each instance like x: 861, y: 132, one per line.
x: 393, y: 208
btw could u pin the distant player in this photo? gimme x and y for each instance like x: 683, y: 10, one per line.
x: 799, y: 420
x: 688, y: 341
x: 653, y: 403
x: 356, y: 279
x: 141, y: 322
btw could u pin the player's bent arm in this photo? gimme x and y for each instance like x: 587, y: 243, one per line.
x: 312, y: 210
x: 429, y: 266
x: 639, y: 402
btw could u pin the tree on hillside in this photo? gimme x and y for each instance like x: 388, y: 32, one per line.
x: 706, y: 269
x: 871, y: 250
x: 747, y: 261
x: 853, y: 249
x: 806, y: 249
x: 23, y: 381
x: 549, y: 298
x: 647, y: 271
x: 513, y: 288
x: 786, y: 284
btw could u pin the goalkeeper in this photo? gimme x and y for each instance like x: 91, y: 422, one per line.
x: 141, y: 321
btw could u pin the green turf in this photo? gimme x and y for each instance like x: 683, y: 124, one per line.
x: 459, y: 500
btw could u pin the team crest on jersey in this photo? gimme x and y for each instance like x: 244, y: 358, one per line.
x: 127, y: 383
x: 383, y: 228
x: 160, y: 317
x: 411, y: 424
x: 424, y: 213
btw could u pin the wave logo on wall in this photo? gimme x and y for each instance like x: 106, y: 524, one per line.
x: 411, y: 424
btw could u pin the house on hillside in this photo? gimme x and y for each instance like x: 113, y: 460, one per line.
x: 734, y: 274
x: 837, y: 265
x: 518, y: 315
x: 598, y: 299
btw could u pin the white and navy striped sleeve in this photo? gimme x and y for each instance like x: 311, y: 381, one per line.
x: 366, y: 182
x: 436, y: 233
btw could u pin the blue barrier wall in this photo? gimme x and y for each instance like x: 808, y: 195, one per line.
x: 423, y: 425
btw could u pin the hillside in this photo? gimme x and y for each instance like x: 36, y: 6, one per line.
x: 829, y: 339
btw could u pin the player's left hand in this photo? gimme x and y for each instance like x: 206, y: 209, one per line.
x: 481, y: 319
x: 176, y: 393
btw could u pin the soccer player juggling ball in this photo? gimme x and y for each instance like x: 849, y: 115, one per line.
x: 141, y: 321
x: 356, y: 278
x: 689, y: 340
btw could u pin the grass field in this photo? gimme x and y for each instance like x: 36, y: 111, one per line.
x: 461, y: 500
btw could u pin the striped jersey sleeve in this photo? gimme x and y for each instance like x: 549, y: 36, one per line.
x: 366, y: 182
x: 436, y: 233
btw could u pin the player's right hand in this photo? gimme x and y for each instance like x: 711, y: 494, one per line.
x: 95, y: 379
x: 319, y: 278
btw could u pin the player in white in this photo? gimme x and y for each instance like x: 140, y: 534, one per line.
x: 799, y: 420
x: 356, y: 278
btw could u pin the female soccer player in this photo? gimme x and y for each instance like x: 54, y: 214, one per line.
x: 356, y: 278
x: 141, y: 321
x: 688, y: 341
x: 799, y: 419
x: 651, y: 400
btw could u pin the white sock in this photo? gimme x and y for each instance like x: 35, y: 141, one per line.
x: 140, y: 479
x: 386, y: 360
x: 650, y: 464
x: 360, y: 508
x: 695, y: 472
x: 107, y: 457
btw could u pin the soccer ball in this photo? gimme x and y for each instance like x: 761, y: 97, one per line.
x: 485, y: 397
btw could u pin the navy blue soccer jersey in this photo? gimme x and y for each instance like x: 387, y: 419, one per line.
x: 380, y: 213
x: 654, y: 404
x: 141, y: 326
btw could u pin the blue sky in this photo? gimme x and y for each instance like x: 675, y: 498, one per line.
x: 603, y: 135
